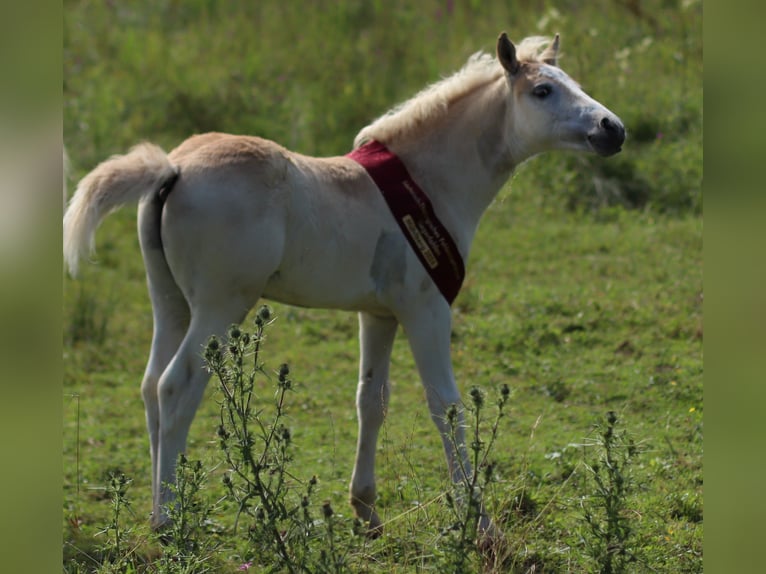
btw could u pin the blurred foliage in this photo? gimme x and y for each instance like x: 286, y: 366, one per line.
x: 311, y: 74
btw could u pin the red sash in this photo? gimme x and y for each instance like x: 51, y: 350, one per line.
x: 415, y: 215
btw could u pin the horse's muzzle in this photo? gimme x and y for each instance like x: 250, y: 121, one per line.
x: 608, y: 137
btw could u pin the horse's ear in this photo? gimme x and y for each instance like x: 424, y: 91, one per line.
x: 551, y: 53
x: 506, y: 53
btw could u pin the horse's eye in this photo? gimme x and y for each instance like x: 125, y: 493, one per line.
x: 541, y: 91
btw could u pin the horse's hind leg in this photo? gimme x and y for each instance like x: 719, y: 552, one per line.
x: 171, y: 321
x: 376, y: 337
x: 181, y: 388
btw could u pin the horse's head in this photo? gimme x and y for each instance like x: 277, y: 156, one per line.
x: 550, y: 110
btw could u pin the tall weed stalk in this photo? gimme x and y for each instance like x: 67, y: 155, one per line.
x: 462, y: 543
x: 185, y: 539
x: 608, y: 531
x: 284, y: 533
x: 117, y: 533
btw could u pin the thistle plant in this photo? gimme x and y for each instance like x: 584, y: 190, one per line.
x: 185, y: 537
x: 608, y: 530
x: 117, y: 488
x: 461, y: 537
x: 275, y: 505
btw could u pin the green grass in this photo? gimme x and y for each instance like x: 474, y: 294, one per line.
x: 580, y: 305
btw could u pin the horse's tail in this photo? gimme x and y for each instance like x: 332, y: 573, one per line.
x: 120, y: 180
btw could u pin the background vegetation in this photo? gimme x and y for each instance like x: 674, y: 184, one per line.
x: 584, y: 291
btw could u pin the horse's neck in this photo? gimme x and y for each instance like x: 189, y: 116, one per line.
x: 462, y: 161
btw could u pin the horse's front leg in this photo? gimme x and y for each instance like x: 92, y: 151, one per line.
x: 428, y: 332
x: 376, y: 338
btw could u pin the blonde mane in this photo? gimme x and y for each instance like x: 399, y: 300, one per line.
x: 433, y: 101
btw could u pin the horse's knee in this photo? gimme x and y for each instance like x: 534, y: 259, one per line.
x: 440, y: 405
x: 372, y: 399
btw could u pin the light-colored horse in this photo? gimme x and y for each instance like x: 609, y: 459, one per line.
x: 225, y: 220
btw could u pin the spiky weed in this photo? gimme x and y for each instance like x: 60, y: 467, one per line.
x: 608, y: 532
x: 257, y: 450
x: 462, y: 543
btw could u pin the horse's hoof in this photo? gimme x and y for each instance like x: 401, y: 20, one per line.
x: 161, y: 529
x: 374, y: 531
x: 371, y: 529
x: 493, y: 547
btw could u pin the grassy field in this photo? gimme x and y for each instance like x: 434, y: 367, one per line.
x: 583, y: 293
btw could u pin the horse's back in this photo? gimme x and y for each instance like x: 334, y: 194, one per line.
x: 226, y: 155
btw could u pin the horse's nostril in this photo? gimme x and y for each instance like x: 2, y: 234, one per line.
x: 607, y: 124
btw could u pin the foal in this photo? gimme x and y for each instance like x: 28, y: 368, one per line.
x: 225, y: 220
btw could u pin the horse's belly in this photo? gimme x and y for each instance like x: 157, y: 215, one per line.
x: 367, y: 274
x: 321, y: 282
